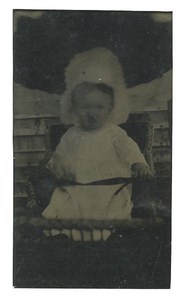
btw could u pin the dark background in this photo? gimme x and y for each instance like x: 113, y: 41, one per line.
x: 44, y: 46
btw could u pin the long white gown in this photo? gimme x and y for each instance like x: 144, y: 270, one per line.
x: 87, y: 156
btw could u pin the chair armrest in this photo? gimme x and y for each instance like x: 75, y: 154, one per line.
x: 41, y: 185
x: 40, y: 222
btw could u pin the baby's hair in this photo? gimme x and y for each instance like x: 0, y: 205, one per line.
x: 86, y: 87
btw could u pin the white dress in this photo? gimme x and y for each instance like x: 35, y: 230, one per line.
x: 88, y: 156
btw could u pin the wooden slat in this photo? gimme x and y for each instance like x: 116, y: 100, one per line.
x: 28, y: 158
x: 154, y: 116
x: 161, y: 137
x: 161, y: 125
x: 37, y: 126
x: 158, y: 116
x: 20, y: 192
x: 23, y: 173
x: 29, y: 151
x: 35, y: 116
x: 20, y: 211
x: 29, y: 142
x: 163, y: 169
x: 24, y: 165
x: 20, y: 187
x: 141, y: 109
x: 21, y: 181
x: 19, y: 132
x: 32, y: 126
x: 37, y: 107
x: 161, y: 154
x: 20, y: 202
x: 20, y: 195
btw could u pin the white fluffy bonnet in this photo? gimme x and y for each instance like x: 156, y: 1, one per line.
x: 98, y: 65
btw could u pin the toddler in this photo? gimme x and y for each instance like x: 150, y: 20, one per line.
x: 95, y: 147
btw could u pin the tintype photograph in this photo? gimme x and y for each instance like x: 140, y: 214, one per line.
x: 92, y: 106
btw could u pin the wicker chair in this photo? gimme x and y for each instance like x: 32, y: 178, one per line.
x: 145, y: 225
x: 41, y: 184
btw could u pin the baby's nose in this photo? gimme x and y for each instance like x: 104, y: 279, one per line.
x: 91, y: 116
x: 90, y: 112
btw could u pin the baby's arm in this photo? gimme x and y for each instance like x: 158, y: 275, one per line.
x: 139, y: 166
x: 60, y: 162
x: 55, y: 167
x: 141, y: 171
x: 58, y: 167
x: 129, y: 149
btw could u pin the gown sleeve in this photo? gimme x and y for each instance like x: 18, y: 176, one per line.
x: 59, y: 164
x: 126, y: 147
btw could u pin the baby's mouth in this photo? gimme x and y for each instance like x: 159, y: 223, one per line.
x: 92, y: 124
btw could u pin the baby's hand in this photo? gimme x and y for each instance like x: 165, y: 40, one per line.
x: 56, y: 166
x: 141, y: 171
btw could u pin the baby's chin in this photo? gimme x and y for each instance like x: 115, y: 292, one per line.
x: 89, y: 127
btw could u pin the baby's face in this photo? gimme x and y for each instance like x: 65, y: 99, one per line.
x: 92, y: 109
